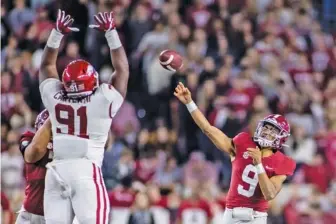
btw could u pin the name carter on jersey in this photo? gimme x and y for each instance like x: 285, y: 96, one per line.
x: 61, y: 96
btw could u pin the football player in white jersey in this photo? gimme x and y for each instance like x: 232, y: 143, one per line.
x: 81, y: 111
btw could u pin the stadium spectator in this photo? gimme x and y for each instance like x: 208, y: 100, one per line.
x: 6, y: 212
x: 140, y: 211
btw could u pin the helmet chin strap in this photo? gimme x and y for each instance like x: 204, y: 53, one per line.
x: 79, y: 95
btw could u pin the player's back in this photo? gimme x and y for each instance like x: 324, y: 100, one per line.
x: 80, y: 126
x: 244, y: 188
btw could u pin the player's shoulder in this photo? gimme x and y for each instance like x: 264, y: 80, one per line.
x: 285, y: 164
x: 110, y: 93
x: 49, y: 83
x: 243, y: 139
x: 285, y: 159
x: 104, y: 87
x: 242, y: 136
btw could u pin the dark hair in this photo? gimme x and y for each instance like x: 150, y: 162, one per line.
x: 302, y: 11
x: 281, y: 82
x: 126, y: 181
x: 5, y: 122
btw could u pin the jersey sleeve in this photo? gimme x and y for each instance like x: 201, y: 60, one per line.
x: 286, y: 166
x: 25, y: 140
x: 239, y: 140
x: 113, y: 96
x: 48, y: 88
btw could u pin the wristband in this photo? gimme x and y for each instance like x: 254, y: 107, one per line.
x: 54, y: 40
x: 113, y: 40
x: 260, y: 168
x: 191, y: 106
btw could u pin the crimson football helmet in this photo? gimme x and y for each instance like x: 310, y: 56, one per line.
x: 79, y: 79
x: 41, y: 118
x: 278, y: 138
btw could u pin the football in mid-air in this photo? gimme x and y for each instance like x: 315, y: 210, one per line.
x: 171, y: 60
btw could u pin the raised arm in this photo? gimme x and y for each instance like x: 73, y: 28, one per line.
x: 37, y: 148
x: 105, y: 22
x: 217, y: 137
x: 50, y: 52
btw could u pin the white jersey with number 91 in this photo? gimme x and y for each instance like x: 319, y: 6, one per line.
x: 80, y: 127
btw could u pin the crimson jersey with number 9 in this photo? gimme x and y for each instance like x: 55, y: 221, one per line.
x: 244, y: 188
x: 80, y: 128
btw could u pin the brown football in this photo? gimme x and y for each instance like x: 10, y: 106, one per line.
x: 171, y: 60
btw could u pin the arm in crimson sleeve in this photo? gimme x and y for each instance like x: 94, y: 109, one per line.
x: 37, y: 148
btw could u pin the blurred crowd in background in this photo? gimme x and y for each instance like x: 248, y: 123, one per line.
x: 243, y: 59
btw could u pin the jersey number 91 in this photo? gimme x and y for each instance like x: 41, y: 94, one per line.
x: 66, y: 115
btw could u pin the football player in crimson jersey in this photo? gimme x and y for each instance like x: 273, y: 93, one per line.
x: 36, y: 149
x: 81, y: 111
x: 258, y: 167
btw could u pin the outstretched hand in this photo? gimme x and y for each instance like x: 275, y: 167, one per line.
x: 64, y: 22
x: 182, y: 93
x: 105, y: 21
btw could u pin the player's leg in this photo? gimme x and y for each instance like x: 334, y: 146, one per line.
x: 90, y: 201
x: 37, y: 219
x: 57, y: 209
x: 75, y: 221
x: 260, y: 220
x: 23, y: 218
x: 228, y: 217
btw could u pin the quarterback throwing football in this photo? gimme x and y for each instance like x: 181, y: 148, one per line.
x: 81, y: 111
x: 258, y: 168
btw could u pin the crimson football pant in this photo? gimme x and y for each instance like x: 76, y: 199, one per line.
x: 230, y: 218
x: 75, y: 187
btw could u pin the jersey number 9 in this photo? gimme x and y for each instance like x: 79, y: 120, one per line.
x: 65, y: 115
x: 252, y: 181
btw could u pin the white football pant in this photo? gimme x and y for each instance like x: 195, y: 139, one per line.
x: 231, y: 217
x: 75, y: 187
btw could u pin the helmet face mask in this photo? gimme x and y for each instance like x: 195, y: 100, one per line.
x: 272, y: 132
x: 269, y: 132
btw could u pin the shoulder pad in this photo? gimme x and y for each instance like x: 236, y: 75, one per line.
x: 286, y: 166
x: 241, y: 137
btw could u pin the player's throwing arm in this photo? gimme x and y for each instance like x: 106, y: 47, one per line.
x: 221, y: 141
